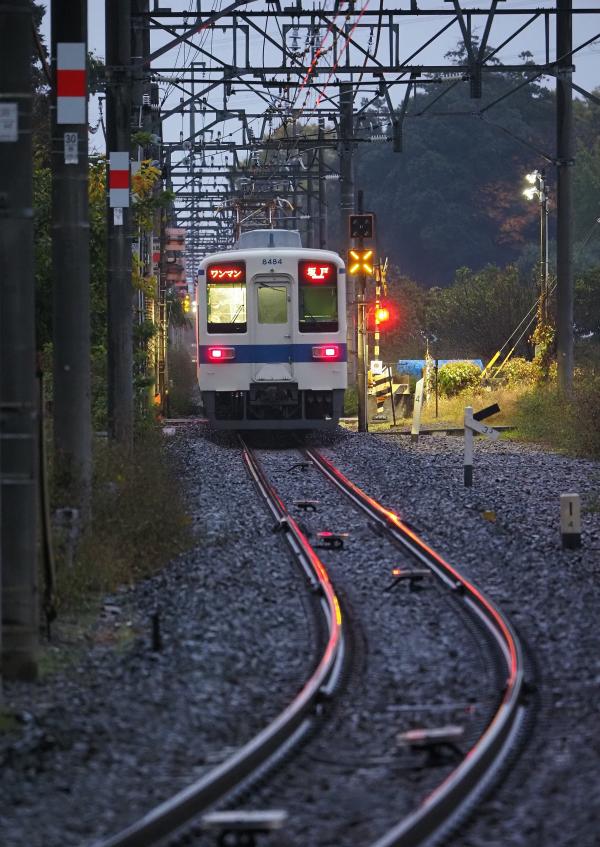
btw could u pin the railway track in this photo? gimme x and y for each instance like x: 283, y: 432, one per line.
x: 451, y: 800
x: 167, y: 820
x: 447, y: 804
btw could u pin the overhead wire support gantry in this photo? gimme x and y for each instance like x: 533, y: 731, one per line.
x: 263, y: 93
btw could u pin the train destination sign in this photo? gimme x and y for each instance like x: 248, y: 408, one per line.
x: 227, y: 272
x: 315, y: 272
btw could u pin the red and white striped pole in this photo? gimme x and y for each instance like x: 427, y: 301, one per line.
x: 119, y: 180
x: 71, y: 83
x: 71, y: 259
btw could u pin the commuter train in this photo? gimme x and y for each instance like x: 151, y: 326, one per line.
x: 271, y: 334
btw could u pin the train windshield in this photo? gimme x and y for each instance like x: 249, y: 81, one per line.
x: 318, y: 308
x: 272, y: 304
x: 226, y: 307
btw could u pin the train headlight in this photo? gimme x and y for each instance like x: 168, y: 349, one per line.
x: 221, y: 354
x: 326, y: 352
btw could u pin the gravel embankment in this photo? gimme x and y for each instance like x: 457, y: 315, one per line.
x: 415, y: 664
x: 121, y: 727
x: 552, y: 795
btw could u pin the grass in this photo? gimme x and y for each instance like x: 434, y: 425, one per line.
x: 451, y: 410
x: 182, y: 379
x: 538, y: 412
x: 139, y: 523
x: 569, y: 425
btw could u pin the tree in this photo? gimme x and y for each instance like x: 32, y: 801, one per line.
x: 452, y: 197
x: 478, y: 313
x: 406, y: 337
x: 587, y: 302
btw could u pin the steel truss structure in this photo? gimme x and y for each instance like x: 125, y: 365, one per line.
x: 261, y: 103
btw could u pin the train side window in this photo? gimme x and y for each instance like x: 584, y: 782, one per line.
x: 226, y: 307
x: 318, y: 310
x: 272, y: 304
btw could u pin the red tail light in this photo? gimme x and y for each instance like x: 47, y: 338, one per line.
x: 221, y: 354
x: 326, y: 352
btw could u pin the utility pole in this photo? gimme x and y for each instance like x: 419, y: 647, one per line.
x: 564, y: 194
x: 361, y: 335
x: 310, y: 224
x: 142, y: 122
x: 322, y: 190
x: 346, y: 105
x: 119, y: 290
x: 18, y: 406
x: 545, y: 266
x: 71, y: 256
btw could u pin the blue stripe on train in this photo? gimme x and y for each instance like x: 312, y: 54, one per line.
x: 267, y: 353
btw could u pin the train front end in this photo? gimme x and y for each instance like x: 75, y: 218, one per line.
x: 271, y: 335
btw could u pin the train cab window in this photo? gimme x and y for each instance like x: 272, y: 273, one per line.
x: 226, y: 307
x: 318, y: 308
x: 272, y: 304
x: 317, y: 295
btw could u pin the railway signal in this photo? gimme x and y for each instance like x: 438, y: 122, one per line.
x: 361, y: 261
x: 362, y: 226
x: 380, y: 317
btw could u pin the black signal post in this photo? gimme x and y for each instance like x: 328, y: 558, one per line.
x: 362, y: 225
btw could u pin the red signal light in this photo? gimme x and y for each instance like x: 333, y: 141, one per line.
x: 221, y: 354
x: 314, y: 272
x: 382, y: 315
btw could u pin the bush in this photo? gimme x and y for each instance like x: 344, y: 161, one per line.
x: 351, y: 402
x: 138, y: 522
x: 458, y: 376
x: 568, y: 425
x: 182, y: 383
x: 517, y: 372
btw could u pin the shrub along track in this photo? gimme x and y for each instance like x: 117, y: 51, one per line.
x: 447, y: 803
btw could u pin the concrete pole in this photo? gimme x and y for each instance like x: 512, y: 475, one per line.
x: 564, y: 194
x: 119, y: 289
x: 346, y: 149
x: 140, y: 94
x: 544, y: 243
x: 18, y: 406
x: 361, y: 337
x: 71, y: 275
x: 310, y: 224
x: 322, y: 191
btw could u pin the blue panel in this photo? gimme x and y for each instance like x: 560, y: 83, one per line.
x: 414, y: 367
x: 268, y: 353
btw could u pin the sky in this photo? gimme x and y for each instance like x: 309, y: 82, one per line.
x: 414, y: 31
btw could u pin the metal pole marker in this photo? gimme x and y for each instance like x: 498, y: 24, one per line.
x: 570, y: 521
x: 472, y: 425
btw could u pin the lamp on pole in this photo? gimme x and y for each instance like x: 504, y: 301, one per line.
x: 537, y: 188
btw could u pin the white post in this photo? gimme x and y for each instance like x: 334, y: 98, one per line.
x: 468, y: 462
x: 416, y: 422
x: 570, y: 521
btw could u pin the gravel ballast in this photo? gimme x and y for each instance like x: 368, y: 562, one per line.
x: 124, y: 727
x: 552, y: 792
x: 103, y: 740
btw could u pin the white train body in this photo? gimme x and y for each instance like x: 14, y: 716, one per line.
x: 271, y: 334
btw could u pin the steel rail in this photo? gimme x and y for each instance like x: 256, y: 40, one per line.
x: 178, y: 811
x: 450, y: 800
